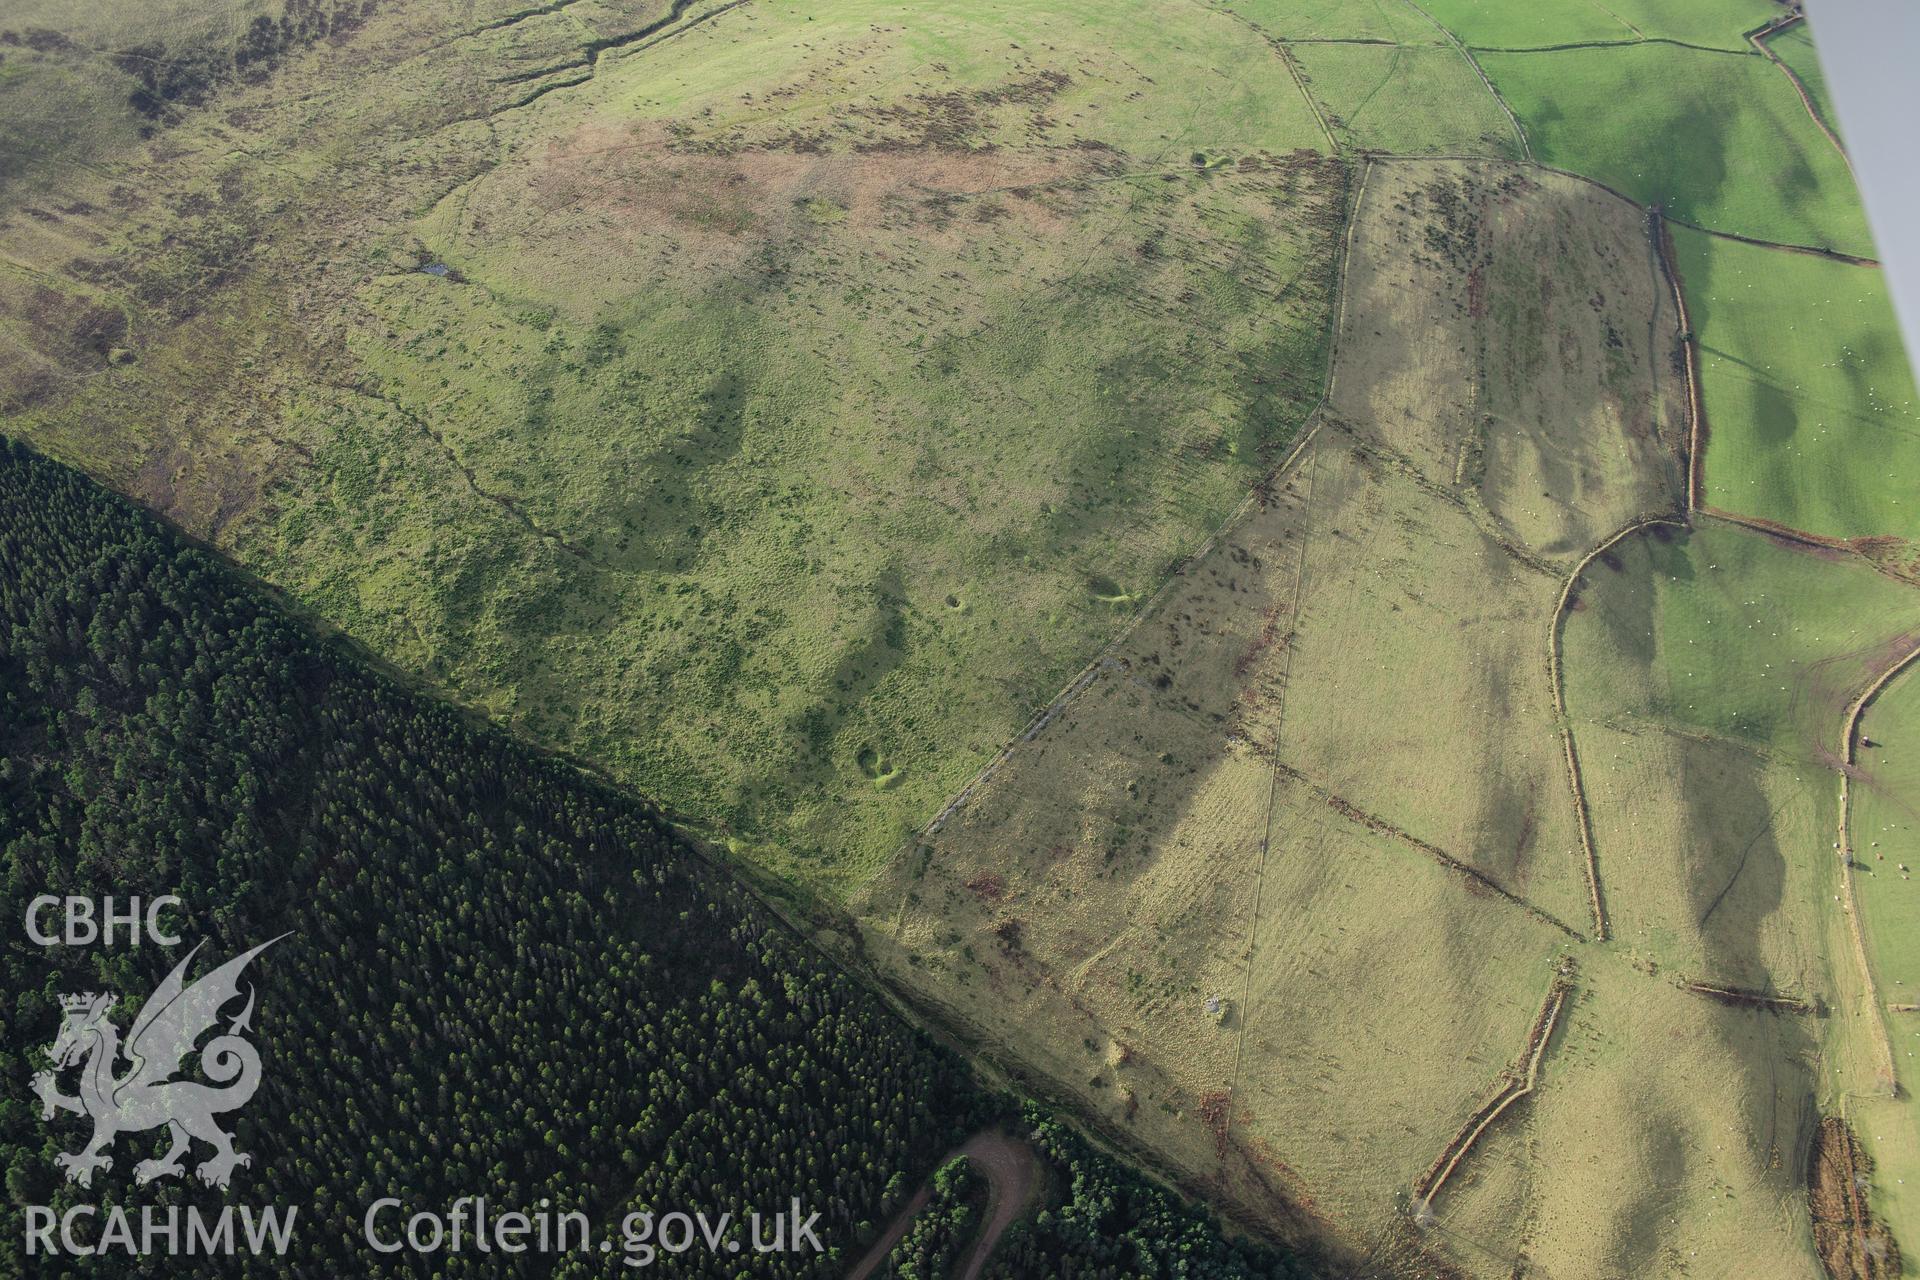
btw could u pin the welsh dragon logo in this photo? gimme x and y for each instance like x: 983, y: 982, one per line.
x: 164, y: 1032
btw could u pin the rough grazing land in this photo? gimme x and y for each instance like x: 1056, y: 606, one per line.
x: 711, y: 452
x: 1266, y: 916
x: 1404, y: 99
x: 1884, y: 822
x: 1449, y: 840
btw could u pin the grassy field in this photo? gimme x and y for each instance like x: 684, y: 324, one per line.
x: 1794, y: 46
x: 1709, y: 676
x: 1144, y: 854
x: 1813, y: 417
x: 1721, y: 24
x: 1884, y: 823
x: 1682, y: 128
x: 1625, y: 1165
x: 1516, y: 24
x: 1708, y: 853
x: 1708, y: 673
x: 1751, y: 640
x: 1237, y: 805
x: 82, y: 84
x: 712, y: 457
x: 1393, y: 21
x: 1405, y: 99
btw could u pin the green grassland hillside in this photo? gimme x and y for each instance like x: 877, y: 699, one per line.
x: 80, y: 84
x: 496, y: 976
x: 1492, y: 24
x: 1812, y: 415
x: 1303, y: 575
x: 1681, y: 127
x: 1794, y: 47
x: 782, y: 450
x: 1886, y: 856
x: 1711, y: 676
x: 1404, y: 99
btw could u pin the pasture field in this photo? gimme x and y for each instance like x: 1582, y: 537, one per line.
x: 1558, y: 418
x: 1169, y: 838
x: 1813, y: 419
x: 1683, y: 128
x: 1405, y: 99
x: 1626, y: 1162
x: 1794, y: 46
x: 1884, y: 826
x: 710, y: 455
x: 1516, y: 24
x: 1236, y: 805
x: 1501, y: 24
x: 1709, y: 677
x: 1392, y: 21
x: 1884, y: 823
x: 1721, y: 24
x: 1710, y: 853
x: 1708, y: 673
x: 1731, y: 633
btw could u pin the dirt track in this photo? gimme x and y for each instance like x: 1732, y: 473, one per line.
x: 1011, y: 1172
